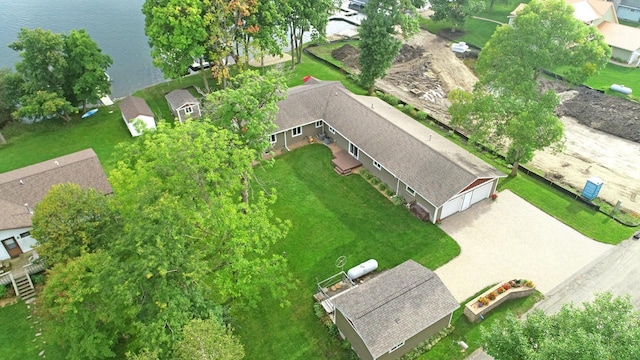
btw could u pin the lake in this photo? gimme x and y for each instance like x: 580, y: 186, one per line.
x: 116, y: 25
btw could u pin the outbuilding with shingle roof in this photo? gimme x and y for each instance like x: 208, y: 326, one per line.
x: 22, y: 189
x: 183, y: 105
x: 137, y: 115
x: 388, y: 315
x: 419, y: 165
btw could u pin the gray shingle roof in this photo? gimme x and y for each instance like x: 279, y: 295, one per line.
x: 433, y: 166
x: 179, y: 97
x: 82, y: 168
x: 396, y: 305
x: 133, y: 106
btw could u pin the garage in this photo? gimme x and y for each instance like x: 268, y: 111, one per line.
x: 464, y: 201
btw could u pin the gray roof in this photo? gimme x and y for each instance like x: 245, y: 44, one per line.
x: 631, y: 3
x: 133, y: 106
x: 396, y: 305
x: 179, y: 97
x: 82, y: 168
x: 429, y: 163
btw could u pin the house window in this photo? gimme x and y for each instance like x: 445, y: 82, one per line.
x: 273, y: 139
x: 396, y: 347
x: 25, y: 234
x: 410, y: 191
x: 188, y: 110
x: 353, y: 150
x: 377, y: 165
x: 319, y: 124
x: 296, y: 131
x: 332, y: 130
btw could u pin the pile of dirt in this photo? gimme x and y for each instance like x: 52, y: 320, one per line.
x: 348, y: 54
x: 610, y: 114
x: 408, y: 53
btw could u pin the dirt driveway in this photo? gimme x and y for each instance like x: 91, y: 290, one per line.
x: 510, y: 238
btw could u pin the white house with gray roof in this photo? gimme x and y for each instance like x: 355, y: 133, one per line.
x: 387, y: 316
x: 415, y: 162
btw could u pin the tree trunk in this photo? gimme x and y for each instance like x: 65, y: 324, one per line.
x: 292, y: 39
x: 245, y: 188
x: 2, y: 139
x: 299, y: 47
x: 491, y: 7
x: 205, y: 80
x: 371, y: 88
x: 514, y: 168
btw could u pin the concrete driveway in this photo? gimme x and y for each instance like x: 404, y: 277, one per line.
x: 510, y: 238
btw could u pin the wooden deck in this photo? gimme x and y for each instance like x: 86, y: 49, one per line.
x: 343, y: 162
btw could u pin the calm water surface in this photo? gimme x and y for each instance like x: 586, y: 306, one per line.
x: 116, y: 25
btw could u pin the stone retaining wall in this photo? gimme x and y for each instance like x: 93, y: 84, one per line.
x: 473, y: 312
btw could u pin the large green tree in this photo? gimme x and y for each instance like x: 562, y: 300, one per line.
x: 86, y: 79
x: 58, y: 72
x: 607, y: 328
x: 177, y: 35
x: 301, y: 17
x: 71, y: 221
x: 208, y: 340
x: 10, y: 84
x: 379, y: 43
x: 455, y: 11
x: 507, y: 109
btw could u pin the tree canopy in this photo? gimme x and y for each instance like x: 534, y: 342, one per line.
x: 71, y: 221
x: 456, y: 11
x: 58, y: 72
x: 607, y: 328
x: 379, y: 44
x: 187, y: 243
x: 507, y: 109
x: 301, y: 17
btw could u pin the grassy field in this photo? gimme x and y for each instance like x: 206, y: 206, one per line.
x: 331, y: 216
x: 29, y: 144
x: 18, y: 337
x: 616, y: 74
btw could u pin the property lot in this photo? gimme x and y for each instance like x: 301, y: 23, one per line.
x: 510, y: 238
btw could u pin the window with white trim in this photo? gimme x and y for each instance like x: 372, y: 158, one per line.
x: 410, y: 191
x: 396, y: 347
x: 296, y: 131
x: 188, y: 110
x: 319, y: 123
x: 332, y: 130
x: 377, y: 165
x: 273, y: 139
x: 354, y: 151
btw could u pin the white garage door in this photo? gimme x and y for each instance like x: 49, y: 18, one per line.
x: 456, y: 204
x: 481, y: 192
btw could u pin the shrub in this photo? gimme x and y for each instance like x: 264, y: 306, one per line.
x: 408, y: 109
x: 3, y: 291
x: 375, y: 181
x: 400, y: 107
x: 484, y: 300
x: 333, y: 329
x: 346, y: 344
x: 492, y: 295
x: 422, y: 116
x: 506, y: 286
x: 366, y: 174
x: 318, y: 310
x: 529, y: 284
x: 397, y: 200
x: 383, y: 186
x: 38, y: 279
x: 500, y: 290
x: 390, y: 193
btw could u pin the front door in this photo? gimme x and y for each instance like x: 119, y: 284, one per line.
x: 12, y: 247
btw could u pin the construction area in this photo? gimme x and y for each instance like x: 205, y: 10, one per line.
x: 602, y: 132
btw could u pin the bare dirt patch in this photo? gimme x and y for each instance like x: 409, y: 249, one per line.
x: 348, y: 54
x: 602, y: 132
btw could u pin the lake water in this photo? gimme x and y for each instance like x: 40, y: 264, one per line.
x: 117, y: 26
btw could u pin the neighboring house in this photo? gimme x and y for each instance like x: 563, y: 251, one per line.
x: 183, y: 104
x: 136, y: 115
x: 623, y: 40
x: 387, y: 316
x: 628, y: 9
x: 22, y: 189
x: 417, y: 163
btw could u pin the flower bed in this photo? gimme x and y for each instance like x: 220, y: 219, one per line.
x: 475, y: 309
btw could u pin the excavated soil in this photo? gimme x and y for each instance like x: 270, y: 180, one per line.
x: 602, y: 132
x: 348, y: 54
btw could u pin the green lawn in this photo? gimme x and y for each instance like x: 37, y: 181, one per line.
x: 29, y: 144
x: 18, y: 337
x: 331, y: 216
x: 616, y: 74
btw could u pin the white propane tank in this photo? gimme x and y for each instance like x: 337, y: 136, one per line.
x: 621, y: 89
x: 362, y: 269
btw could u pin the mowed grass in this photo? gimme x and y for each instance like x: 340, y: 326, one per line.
x: 331, y: 216
x: 616, y: 74
x: 18, y: 338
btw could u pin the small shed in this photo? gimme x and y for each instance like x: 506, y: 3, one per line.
x: 183, y: 104
x: 137, y: 115
x: 389, y: 315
